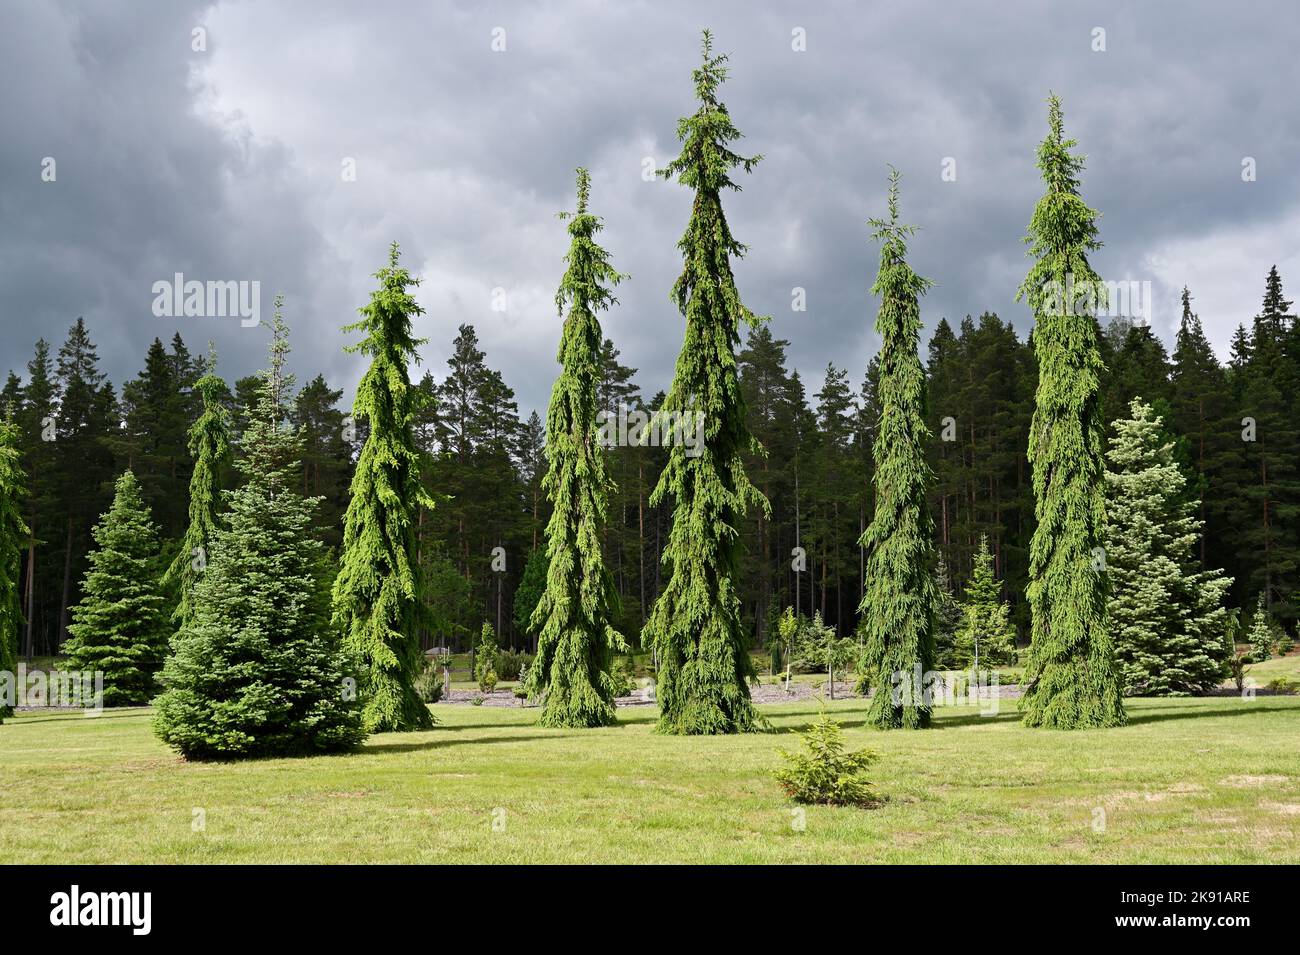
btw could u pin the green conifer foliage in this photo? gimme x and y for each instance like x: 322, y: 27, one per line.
x: 378, y: 582
x: 1167, y: 614
x: 949, y: 620
x: 13, y: 541
x: 987, y: 637
x: 259, y: 671
x: 485, y: 658
x: 529, y: 592
x: 899, y: 599
x: 119, y: 627
x: 1263, y: 632
x: 576, y: 641
x: 1072, y: 681
x: 695, y: 624
x: 209, y: 444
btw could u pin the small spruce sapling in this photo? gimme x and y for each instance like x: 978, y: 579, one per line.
x: 825, y: 774
x: 1263, y: 635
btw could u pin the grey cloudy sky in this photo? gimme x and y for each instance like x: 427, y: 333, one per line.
x: 226, y: 163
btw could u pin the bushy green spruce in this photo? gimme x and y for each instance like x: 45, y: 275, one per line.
x: 695, y: 627
x: 825, y: 774
x: 576, y: 641
x: 899, y: 597
x: 1072, y: 680
x: 987, y: 637
x: 375, y: 593
x: 259, y: 671
x: 1263, y: 632
x: 1166, y: 613
x: 949, y: 619
x: 209, y: 444
x: 13, y: 539
x: 120, y: 625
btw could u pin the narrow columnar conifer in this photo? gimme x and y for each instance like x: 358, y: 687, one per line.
x: 1072, y: 680
x: 13, y: 541
x: 899, y: 598
x: 376, y: 592
x: 209, y: 444
x: 695, y: 626
x: 576, y: 641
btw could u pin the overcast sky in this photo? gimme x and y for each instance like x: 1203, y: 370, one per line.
x: 227, y: 162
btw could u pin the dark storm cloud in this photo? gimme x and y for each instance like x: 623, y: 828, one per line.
x: 227, y: 163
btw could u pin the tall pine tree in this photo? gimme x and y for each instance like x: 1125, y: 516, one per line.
x: 576, y: 640
x: 13, y: 541
x: 1072, y: 681
x: 375, y: 594
x: 695, y: 626
x: 119, y: 627
x: 899, y: 599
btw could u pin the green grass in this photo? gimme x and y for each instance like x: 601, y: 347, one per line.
x: 1288, y: 666
x: 1199, y: 780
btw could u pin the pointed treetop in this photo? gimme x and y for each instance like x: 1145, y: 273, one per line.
x: 891, y: 230
x: 712, y: 71
x: 1055, y: 118
x: 584, y: 189
x: 1059, y: 166
x: 892, y: 235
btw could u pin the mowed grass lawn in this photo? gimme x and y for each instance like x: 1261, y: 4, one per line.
x: 1203, y: 780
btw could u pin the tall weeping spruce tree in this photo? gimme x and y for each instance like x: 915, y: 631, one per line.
x: 13, y: 540
x: 209, y: 444
x: 1071, y: 680
x: 375, y: 593
x: 575, y: 641
x: 899, y: 598
x: 695, y: 624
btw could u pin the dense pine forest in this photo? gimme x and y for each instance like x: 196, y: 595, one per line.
x: 1232, y: 424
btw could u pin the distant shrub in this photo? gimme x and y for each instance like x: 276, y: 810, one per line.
x: 622, y: 675
x: 1236, y: 668
x: 487, y: 679
x: 510, y: 664
x: 428, y: 682
x: 485, y: 654
x: 825, y: 774
x: 1283, y: 684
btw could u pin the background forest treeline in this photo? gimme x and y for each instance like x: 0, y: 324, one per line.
x: 1233, y: 425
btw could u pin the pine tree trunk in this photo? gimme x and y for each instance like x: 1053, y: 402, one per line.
x: 67, y: 589
x: 28, y: 642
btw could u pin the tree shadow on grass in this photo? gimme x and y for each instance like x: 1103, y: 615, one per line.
x: 1136, y: 718
x: 1007, y: 715
x: 1192, y: 713
x: 64, y: 716
x: 384, y: 747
